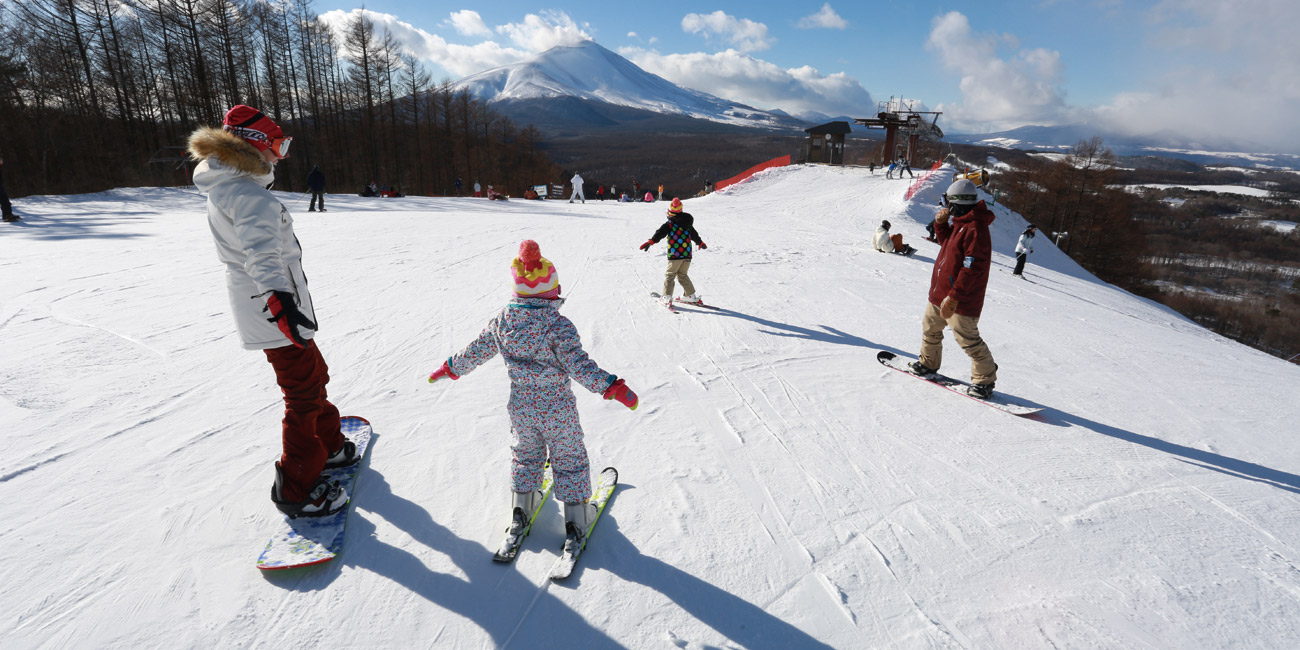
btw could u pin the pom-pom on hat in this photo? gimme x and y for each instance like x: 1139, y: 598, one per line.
x: 675, y: 207
x: 534, y: 275
x: 251, y: 125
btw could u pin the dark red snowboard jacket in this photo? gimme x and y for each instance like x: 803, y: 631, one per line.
x: 962, y: 268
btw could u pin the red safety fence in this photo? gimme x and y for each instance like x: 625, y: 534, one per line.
x: 920, y: 180
x: 775, y: 162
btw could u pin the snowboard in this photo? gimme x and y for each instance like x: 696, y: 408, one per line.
x: 308, y: 541
x: 600, y: 495
x: 509, y: 547
x: 997, y: 401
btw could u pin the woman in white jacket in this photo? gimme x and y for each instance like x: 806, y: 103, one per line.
x: 1023, y: 248
x: 269, y: 300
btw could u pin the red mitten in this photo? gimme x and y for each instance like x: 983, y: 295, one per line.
x: 444, y: 371
x: 703, y: 245
x: 648, y: 243
x: 619, y: 391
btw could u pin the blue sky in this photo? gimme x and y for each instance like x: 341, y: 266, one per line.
x: 1182, y: 66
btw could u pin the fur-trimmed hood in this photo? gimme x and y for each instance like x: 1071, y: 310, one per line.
x: 229, y: 149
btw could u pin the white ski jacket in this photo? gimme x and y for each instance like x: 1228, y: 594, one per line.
x: 253, y: 233
x: 882, y: 242
x: 1025, y: 245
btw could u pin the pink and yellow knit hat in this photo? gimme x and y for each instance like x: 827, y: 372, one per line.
x: 675, y: 207
x: 534, y: 275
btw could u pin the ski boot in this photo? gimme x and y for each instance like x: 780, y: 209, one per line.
x: 577, y: 521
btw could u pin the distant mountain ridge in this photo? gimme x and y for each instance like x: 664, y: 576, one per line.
x: 1062, y: 138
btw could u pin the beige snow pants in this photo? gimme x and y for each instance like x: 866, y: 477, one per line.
x: 677, y: 271
x: 966, y: 331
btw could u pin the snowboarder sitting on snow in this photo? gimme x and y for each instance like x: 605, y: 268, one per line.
x: 542, y: 352
x: 264, y: 277
x: 957, y: 285
x: 680, y: 231
x: 886, y: 243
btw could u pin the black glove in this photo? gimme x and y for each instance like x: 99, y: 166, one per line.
x: 286, y: 316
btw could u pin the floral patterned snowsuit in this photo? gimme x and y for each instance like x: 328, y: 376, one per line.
x: 542, y: 352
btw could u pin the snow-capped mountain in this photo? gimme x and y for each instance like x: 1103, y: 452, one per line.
x: 588, y: 71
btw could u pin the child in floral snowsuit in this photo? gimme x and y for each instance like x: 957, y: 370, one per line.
x: 542, y: 352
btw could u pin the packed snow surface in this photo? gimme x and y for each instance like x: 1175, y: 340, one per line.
x: 779, y: 488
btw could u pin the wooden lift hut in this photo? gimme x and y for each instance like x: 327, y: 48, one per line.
x: 826, y: 143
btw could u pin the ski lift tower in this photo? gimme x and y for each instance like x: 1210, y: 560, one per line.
x: 895, y: 117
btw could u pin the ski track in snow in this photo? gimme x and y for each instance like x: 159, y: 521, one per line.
x: 777, y: 487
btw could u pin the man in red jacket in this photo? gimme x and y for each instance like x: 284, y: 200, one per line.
x: 957, y: 284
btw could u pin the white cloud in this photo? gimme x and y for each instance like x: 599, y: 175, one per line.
x: 540, y: 33
x: 632, y: 35
x: 459, y: 60
x: 743, y: 33
x: 761, y: 84
x: 824, y: 19
x: 1245, y: 91
x: 997, y: 93
x: 468, y: 22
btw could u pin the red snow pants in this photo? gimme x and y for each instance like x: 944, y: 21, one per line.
x: 311, y: 423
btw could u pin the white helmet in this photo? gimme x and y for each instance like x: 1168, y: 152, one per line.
x: 962, y: 192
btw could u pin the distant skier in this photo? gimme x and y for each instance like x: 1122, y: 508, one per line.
x: 6, y: 208
x: 887, y: 243
x: 872, y: 167
x: 660, y: 195
x: 577, y: 189
x: 542, y: 352
x: 600, y: 192
x: 264, y: 277
x: 649, y: 197
x: 957, y: 285
x: 316, y: 185
x: 905, y: 165
x: 889, y: 173
x: 1024, y: 247
x: 478, y: 189
x: 458, y: 184
x: 680, y: 231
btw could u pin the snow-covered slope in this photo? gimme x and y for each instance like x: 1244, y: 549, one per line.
x: 780, y: 488
x: 590, y: 72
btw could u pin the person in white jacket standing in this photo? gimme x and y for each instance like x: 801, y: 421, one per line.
x: 577, y: 189
x: 269, y: 299
x: 1023, y: 248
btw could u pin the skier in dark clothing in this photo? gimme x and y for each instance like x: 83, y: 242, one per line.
x: 680, y: 231
x: 6, y: 207
x: 316, y: 183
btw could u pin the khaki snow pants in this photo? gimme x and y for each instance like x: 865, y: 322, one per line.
x: 677, y: 271
x: 966, y: 331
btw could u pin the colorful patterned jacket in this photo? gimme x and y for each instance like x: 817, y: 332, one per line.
x: 680, y: 231
x: 540, y: 346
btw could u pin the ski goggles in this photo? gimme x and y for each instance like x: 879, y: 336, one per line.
x: 280, y: 147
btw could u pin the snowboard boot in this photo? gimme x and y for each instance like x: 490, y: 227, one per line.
x: 919, y: 369
x: 323, y: 499
x: 346, y: 455
x: 577, y: 521
x: 10, y: 218
x: 980, y: 391
x: 692, y: 299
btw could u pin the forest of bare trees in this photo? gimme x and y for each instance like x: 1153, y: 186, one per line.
x: 92, y: 91
x: 1208, y: 256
